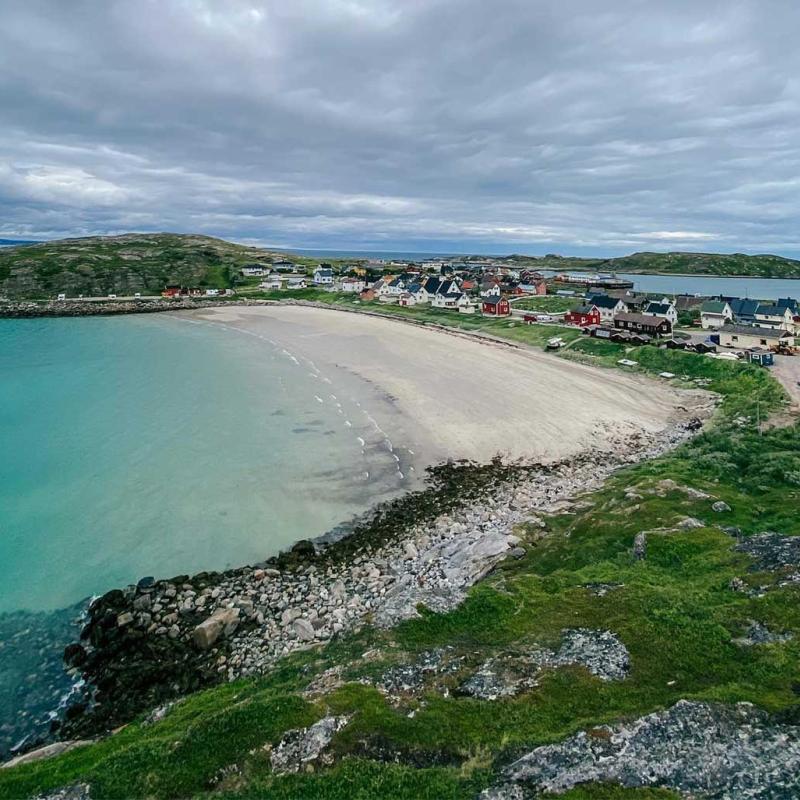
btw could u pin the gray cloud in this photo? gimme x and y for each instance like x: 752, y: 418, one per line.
x: 429, y: 124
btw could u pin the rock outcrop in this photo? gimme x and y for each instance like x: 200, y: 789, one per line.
x: 698, y: 749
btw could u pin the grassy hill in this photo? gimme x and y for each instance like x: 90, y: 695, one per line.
x: 759, y: 266
x: 123, y: 265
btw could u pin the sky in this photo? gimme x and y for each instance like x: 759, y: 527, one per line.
x: 536, y: 126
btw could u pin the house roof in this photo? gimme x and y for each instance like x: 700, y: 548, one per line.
x: 768, y: 310
x: 788, y: 302
x: 641, y: 319
x: 743, y: 307
x: 713, y: 307
x: 658, y: 308
x: 604, y: 301
x: 754, y: 330
x: 432, y: 284
x: 326, y: 272
x: 492, y: 301
x: 584, y: 309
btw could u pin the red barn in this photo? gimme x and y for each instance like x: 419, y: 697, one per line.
x: 496, y: 306
x: 583, y: 316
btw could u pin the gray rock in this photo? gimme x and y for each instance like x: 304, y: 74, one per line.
x: 697, y: 749
x: 304, y: 630
x: 223, y: 621
x: 640, y: 546
x: 720, y: 506
x: 42, y: 753
x: 75, y: 791
x: 601, y: 652
x: 305, y: 745
x: 758, y: 633
x: 690, y: 524
x: 772, y: 551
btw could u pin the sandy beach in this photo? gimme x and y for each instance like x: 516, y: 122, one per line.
x: 442, y: 396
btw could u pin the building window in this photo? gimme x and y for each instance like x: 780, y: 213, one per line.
x: 764, y: 341
x: 734, y: 338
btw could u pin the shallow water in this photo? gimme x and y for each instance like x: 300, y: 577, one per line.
x: 155, y: 445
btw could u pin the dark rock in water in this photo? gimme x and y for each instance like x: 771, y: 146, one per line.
x: 74, y: 654
x: 146, y: 583
x: 33, y: 644
x: 697, y: 749
x: 304, y: 548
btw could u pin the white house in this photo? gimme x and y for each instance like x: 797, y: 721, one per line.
x: 254, y: 271
x: 353, y: 285
x: 665, y: 310
x: 609, y: 307
x: 449, y: 295
x: 777, y: 317
x: 296, y: 283
x: 323, y: 276
x: 714, y: 314
x: 271, y: 282
x: 747, y: 336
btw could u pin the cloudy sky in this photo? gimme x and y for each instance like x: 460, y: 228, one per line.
x: 574, y: 126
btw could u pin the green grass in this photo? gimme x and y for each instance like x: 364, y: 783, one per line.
x: 549, y: 304
x: 675, y: 611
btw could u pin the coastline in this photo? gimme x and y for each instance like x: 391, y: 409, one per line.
x: 156, y: 641
x: 427, y: 547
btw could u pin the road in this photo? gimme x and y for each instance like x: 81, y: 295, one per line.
x: 787, y: 371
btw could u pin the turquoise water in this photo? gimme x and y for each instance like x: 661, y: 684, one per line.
x: 153, y: 446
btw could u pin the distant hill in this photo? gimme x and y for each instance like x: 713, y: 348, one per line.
x: 728, y: 264
x: 15, y: 242
x: 123, y: 265
x: 760, y: 266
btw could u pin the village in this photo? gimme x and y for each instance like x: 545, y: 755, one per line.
x: 602, y: 306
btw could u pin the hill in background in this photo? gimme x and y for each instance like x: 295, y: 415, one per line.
x: 145, y: 263
x: 123, y: 265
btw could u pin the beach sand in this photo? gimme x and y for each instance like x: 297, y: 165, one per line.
x: 439, y: 396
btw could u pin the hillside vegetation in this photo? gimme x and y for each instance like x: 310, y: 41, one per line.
x: 730, y: 264
x: 122, y: 265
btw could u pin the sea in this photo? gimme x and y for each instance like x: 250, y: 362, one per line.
x: 148, y: 445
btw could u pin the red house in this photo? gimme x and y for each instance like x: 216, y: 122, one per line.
x: 583, y: 316
x: 173, y: 291
x: 496, y: 306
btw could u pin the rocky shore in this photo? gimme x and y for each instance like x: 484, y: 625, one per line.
x: 157, y: 640
x: 28, y: 309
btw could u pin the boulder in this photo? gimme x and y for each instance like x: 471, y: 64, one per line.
x: 720, y: 507
x: 223, y: 621
x: 304, y: 630
x: 48, y: 751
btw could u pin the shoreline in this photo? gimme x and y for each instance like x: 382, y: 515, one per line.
x: 427, y: 546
